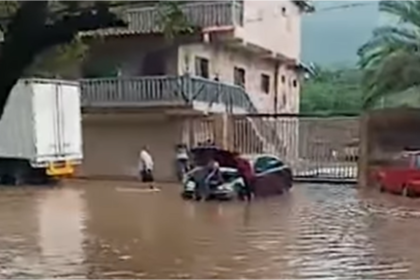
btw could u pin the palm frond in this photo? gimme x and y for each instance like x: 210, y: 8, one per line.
x: 407, y: 12
x: 391, y: 58
x: 391, y: 38
x: 396, y: 73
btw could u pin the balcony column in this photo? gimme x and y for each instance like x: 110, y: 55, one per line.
x: 220, y: 125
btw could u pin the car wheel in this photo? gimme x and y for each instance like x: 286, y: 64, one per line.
x: 238, y: 190
x: 381, y: 188
x: 185, y: 196
x: 405, y: 192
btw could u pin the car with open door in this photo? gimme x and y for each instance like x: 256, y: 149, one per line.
x: 270, y: 175
x: 229, y: 187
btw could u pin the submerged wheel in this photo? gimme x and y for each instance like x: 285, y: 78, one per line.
x: 16, y: 174
x: 405, y: 191
x: 381, y: 188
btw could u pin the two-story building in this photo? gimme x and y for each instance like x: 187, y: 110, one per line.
x: 140, y: 87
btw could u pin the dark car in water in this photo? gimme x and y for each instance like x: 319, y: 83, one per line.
x: 270, y: 175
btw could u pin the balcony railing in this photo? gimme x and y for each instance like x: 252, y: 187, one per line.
x: 161, y: 91
x: 200, y: 14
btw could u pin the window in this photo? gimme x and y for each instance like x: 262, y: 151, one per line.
x: 283, y: 79
x: 229, y: 176
x: 264, y: 163
x: 202, y: 67
x: 265, y: 83
x: 402, y: 161
x: 294, y: 83
x: 239, y: 76
x: 283, y: 11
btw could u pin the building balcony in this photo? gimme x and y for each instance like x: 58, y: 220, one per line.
x: 164, y: 91
x: 206, y: 14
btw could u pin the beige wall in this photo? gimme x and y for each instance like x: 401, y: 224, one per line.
x: 268, y: 25
x: 222, y: 62
x: 111, y: 147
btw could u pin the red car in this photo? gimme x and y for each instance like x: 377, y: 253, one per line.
x: 401, y: 176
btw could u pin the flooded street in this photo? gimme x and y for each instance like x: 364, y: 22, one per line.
x: 113, y: 230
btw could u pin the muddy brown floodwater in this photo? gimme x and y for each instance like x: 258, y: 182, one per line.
x: 112, y: 230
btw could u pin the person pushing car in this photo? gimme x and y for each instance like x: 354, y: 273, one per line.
x: 246, y: 172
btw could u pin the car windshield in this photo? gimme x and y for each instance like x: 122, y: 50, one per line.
x: 264, y: 163
x: 417, y: 161
x: 229, y: 176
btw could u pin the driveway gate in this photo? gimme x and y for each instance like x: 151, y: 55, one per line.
x: 317, y: 148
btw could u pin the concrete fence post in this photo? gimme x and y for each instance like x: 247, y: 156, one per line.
x: 363, y: 158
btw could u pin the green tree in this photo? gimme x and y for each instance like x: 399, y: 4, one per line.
x: 32, y: 27
x: 329, y: 91
x: 43, y: 36
x: 391, y: 58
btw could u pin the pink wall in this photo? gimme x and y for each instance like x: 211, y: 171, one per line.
x: 275, y: 25
x: 222, y: 62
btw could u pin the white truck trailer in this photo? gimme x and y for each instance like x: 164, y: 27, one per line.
x: 40, y: 132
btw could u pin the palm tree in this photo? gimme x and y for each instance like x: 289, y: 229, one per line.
x: 391, y: 58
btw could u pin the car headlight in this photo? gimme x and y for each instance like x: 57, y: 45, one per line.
x: 190, y: 186
x: 225, y: 188
x: 185, y: 178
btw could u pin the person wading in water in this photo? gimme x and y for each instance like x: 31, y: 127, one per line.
x: 246, y: 172
x: 182, y: 160
x: 146, y: 167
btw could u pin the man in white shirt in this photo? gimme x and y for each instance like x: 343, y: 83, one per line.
x: 181, y: 161
x: 146, y: 167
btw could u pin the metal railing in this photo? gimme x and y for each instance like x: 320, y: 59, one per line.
x: 161, y: 91
x: 316, y: 148
x: 200, y: 14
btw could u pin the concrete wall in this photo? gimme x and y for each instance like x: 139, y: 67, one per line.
x: 275, y: 25
x: 111, y: 147
x: 222, y: 63
x: 128, y: 53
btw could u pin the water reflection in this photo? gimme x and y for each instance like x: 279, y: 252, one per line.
x: 95, y: 230
x: 60, y: 216
x: 18, y: 233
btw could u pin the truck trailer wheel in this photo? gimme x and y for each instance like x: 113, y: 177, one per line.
x: 40, y: 177
x: 14, y: 172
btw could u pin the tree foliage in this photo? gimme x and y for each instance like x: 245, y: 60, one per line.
x: 31, y: 28
x: 42, y: 37
x: 172, y: 19
x: 329, y: 91
x: 391, y: 58
x: 64, y: 61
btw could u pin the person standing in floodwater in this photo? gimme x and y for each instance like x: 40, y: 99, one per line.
x: 146, y: 166
x: 204, y: 177
x: 245, y: 170
x: 182, y: 160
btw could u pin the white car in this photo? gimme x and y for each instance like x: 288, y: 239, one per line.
x: 229, y: 189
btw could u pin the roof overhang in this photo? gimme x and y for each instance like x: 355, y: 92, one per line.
x: 305, y: 6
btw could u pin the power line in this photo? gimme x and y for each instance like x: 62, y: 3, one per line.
x: 346, y: 6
